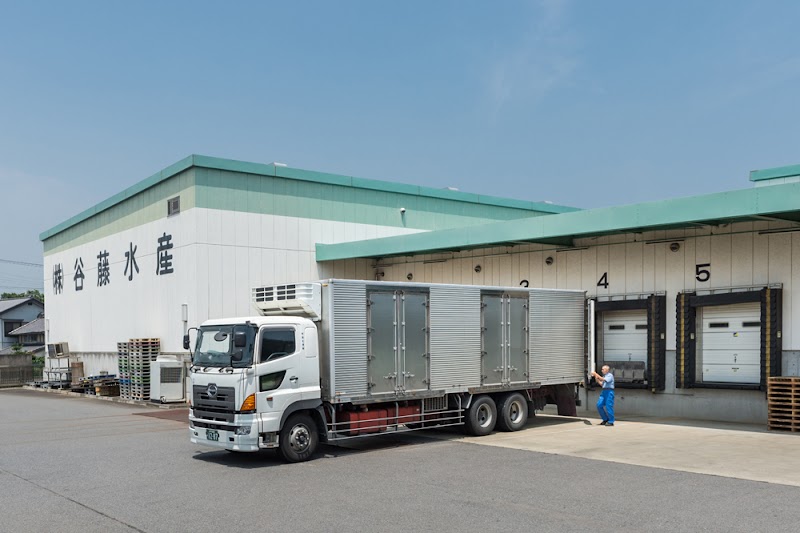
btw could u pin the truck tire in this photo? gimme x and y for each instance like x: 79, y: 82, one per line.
x: 481, y: 416
x: 512, y: 412
x: 298, y: 439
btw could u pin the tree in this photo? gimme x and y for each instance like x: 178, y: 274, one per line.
x: 32, y: 293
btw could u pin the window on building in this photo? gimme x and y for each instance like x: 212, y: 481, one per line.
x: 9, y: 326
x: 173, y: 206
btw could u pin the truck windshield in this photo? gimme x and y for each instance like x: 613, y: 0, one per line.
x: 215, y: 346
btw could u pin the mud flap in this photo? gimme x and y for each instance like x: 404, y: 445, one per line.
x: 565, y: 400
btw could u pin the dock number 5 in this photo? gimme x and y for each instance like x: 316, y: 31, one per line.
x: 701, y: 273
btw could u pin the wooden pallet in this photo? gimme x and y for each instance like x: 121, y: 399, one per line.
x: 783, y: 403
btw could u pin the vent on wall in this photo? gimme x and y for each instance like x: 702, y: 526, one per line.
x: 173, y: 206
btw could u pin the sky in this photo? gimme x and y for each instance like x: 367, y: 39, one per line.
x: 581, y: 103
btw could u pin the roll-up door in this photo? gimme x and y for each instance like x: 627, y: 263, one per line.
x: 730, y: 343
x: 625, y: 336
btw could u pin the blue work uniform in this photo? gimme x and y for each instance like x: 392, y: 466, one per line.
x: 605, y: 403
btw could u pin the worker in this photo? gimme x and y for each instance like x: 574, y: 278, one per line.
x: 605, y: 403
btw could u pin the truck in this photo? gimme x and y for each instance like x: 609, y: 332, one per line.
x: 332, y: 360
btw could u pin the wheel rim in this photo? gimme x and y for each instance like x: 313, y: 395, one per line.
x: 484, y: 416
x: 515, y: 412
x: 299, y: 438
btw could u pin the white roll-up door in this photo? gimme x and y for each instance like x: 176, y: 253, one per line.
x: 729, y: 350
x: 625, y: 336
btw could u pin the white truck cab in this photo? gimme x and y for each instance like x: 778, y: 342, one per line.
x: 247, y: 373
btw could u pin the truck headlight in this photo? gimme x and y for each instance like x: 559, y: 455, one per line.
x: 242, y: 430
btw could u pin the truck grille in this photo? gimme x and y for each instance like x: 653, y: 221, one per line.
x: 219, y: 408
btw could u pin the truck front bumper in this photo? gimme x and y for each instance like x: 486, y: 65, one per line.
x: 239, y: 437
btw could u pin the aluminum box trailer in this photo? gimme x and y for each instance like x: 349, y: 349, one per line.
x: 337, y: 359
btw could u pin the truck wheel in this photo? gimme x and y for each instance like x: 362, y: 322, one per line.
x: 512, y: 412
x: 481, y: 416
x: 298, y: 439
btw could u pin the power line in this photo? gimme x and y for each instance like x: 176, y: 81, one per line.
x: 23, y: 263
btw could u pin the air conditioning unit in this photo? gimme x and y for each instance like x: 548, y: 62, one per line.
x: 166, y: 380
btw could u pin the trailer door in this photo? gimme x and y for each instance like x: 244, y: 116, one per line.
x: 398, y: 342
x: 517, y: 340
x: 493, y: 342
x: 414, y: 332
x: 382, y: 343
x: 505, y: 339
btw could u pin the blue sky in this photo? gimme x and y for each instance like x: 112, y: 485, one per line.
x: 582, y: 103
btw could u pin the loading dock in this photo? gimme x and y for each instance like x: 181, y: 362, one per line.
x: 729, y: 343
x: 630, y: 338
x: 729, y: 339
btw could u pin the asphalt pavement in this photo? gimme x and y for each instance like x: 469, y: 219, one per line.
x: 75, y: 464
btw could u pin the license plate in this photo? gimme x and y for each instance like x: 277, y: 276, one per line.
x: 212, y: 434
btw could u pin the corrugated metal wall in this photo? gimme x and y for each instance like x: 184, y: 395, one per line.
x: 455, y: 338
x: 555, y: 331
x: 349, y: 353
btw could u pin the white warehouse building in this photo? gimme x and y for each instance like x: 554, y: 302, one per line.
x: 693, y: 297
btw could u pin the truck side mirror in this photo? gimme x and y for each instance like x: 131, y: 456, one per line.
x: 239, y: 339
x: 186, y: 342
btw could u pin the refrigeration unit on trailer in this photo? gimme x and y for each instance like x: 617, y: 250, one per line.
x: 338, y: 359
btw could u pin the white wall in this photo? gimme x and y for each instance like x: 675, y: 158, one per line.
x: 218, y: 256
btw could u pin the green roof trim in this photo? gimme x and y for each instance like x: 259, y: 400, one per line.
x: 772, y: 173
x: 302, y: 175
x: 280, y: 171
x: 153, y: 180
x: 748, y: 204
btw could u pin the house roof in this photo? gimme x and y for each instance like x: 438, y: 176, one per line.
x: 31, y: 328
x: 281, y: 171
x: 23, y: 350
x: 773, y: 202
x: 7, y: 305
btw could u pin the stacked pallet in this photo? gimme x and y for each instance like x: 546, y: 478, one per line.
x: 102, y: 385
x: 783, y: 403
x: 134, y: 367
x: 124, y: 371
